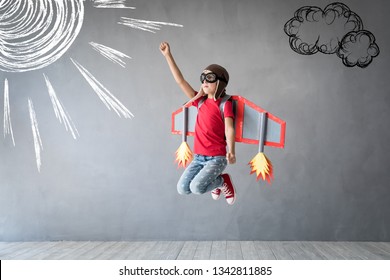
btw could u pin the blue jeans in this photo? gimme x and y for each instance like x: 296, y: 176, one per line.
x: 202, y: 175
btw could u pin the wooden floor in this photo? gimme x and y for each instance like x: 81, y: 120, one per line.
x: 194, y: 250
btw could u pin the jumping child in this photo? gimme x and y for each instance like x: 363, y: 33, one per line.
x: 213, y: 132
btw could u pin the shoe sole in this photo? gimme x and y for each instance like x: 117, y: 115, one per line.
x: 219, y: 196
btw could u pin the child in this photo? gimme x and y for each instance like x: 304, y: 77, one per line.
x: 212, y: 133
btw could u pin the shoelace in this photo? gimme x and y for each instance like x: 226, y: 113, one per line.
x: 226, y: 190
x: 216, y: 191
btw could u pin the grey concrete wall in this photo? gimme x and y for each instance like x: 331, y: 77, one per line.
x: 117, y: 181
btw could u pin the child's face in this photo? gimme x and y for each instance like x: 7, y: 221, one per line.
x: 209, y: 88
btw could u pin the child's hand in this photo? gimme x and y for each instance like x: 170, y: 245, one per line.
x: 231, y: 158
x: 164, y: 48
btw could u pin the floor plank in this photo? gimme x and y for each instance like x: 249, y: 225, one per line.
x: 294, y: 249
x: 373, y: 252
x: 38, y: 249
x: 188, y: 250
x: 249, y: 251
x: 47, y: 252
x: 203, y: 250
x: 385, y: 246
x: 84, y: 251
x: 196, y: 250
x: 165, y: 250
x: 93, y: 249
x: 378, y: 248
x: 142, y: 251
x: 133, y: 251
x: 9, y: 251
x: 264, y: 251
x: 174, y: 250
x: 122, y: 251
x: 342, y: 249
x: 359, y: 251
x: 218, y: 250
x: 233, y: 250
x: 311, y: 252
x: 279, y: 250
x: 327, y: 251
x: 66, y: 248
x: 6, y: 245
x: 106, y: 252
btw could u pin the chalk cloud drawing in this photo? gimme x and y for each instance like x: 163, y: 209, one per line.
x: 36, y: 33
x: 334, y: 30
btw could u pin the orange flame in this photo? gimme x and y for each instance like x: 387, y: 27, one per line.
x: 262, y: 166
x: 183, y: 155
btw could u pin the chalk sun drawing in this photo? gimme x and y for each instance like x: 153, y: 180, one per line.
x: 35, y: 34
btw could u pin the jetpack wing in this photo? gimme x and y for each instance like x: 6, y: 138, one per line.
x: 247, y: 123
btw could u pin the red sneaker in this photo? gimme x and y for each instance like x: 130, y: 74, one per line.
x: 215, y: 193
x: 228, y: 189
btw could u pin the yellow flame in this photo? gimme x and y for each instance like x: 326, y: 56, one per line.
x: 262, y: 166
x: 183, y: 155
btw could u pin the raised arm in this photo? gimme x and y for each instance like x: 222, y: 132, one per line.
x: 177, y: 75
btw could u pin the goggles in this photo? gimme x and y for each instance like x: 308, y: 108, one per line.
x: 210, y: 78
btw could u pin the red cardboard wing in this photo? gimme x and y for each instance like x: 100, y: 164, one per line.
x: 247, y: 123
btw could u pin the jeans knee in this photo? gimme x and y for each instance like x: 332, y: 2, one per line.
x: 182, y: 189
x: 197, y: 188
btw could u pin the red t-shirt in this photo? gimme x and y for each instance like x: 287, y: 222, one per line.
x: 210, y: 128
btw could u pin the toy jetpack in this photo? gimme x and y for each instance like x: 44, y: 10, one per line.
x: 253, y: 125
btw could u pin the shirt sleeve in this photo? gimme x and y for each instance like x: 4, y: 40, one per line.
x: 196, y: 102
x: 228, y: 110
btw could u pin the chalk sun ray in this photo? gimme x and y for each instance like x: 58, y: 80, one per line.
x: 146, y: 25
x: 7, y: 113
x: 110, y: 53
x: 60, y: 111
x: 104, y: 94
x: 118, y: 4
x: 37, y: 137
